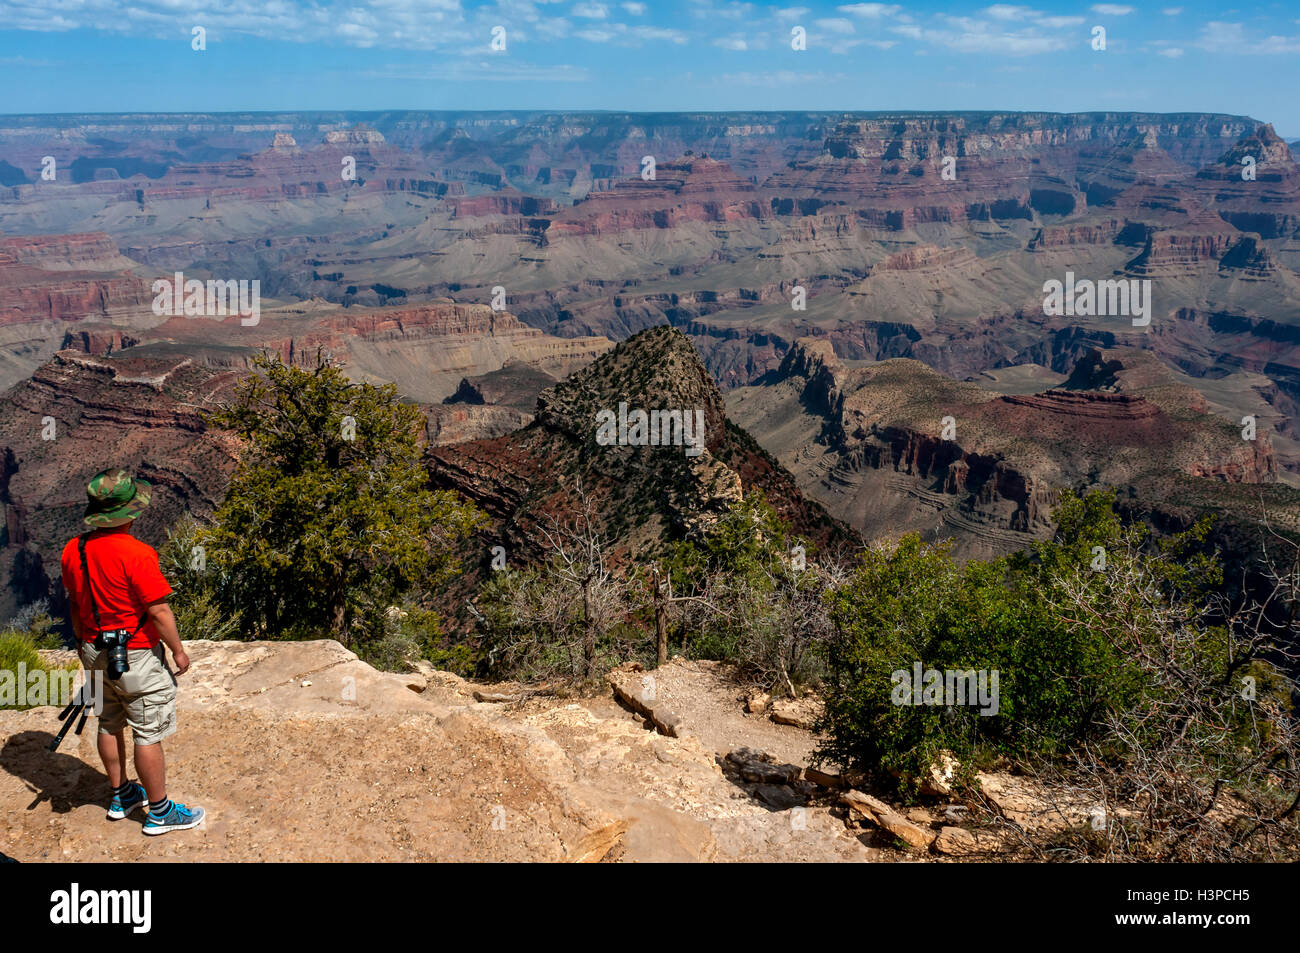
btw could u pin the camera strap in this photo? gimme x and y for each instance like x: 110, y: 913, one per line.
x: 94, y: 606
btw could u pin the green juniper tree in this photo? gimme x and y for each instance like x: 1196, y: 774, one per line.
x: 328, y: 521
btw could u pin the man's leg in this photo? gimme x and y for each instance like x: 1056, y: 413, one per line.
x: 127, y: 795
x: 112, y: 751
x: 151, y: 766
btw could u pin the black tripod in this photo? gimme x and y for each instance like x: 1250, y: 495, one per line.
x: 80, y: 705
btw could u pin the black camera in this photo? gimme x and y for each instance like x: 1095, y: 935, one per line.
x: 114, y: 644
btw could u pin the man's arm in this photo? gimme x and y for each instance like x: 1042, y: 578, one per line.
x: 164, y: 623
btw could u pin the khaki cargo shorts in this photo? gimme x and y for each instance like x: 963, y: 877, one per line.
x: 144, y: 698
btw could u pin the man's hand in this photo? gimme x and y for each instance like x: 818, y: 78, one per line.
x: 164, y: 623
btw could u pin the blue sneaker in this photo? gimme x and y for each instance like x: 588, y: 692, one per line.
x: 123, y: 806
x: 179, y: 818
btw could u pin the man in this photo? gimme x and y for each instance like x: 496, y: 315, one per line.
x: 119, y: 586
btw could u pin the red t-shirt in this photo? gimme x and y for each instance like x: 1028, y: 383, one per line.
x: 124, y: 577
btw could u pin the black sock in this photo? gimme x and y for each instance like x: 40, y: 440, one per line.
x: 159, y: 808
x: 125, y: 791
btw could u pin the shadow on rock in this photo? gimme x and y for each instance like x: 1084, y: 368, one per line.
x: 778, y: 787
x: 65, y: 781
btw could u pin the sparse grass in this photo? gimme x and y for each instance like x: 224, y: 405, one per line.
x: 18, y: 648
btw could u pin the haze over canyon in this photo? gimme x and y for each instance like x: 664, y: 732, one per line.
x: 856, y: 305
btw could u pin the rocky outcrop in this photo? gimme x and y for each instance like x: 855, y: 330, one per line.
x: 643, y: 493
x: 78, y: 415
x: 1249, y: 259
x: 1255, y: 185
x: 462, y: 423
x: 431, y: 774
x: 880, y: 455
x: 98, y: 342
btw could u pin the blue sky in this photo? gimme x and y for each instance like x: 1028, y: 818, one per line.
x: 136, y: 55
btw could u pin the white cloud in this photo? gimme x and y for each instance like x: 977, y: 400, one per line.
x: 1173, y: 53
x: 1280, y: 44
x: 635, y: 9
x: 489, y: 69
x: 658, y: 33
x: 792, y: 13
x: 780, y: 78
x: 1112, y: 9
x: 1010, y: 44
x: 732, y: 10
x: 834, y: 25
x: 629, y: 35
x: 590, y: 11
x: 1220, y: 37
x: 968, y: 35
x: 555, y: 28
x: 1172, y: 11
x: 1007, y: 11
x: 731, y: 43
x: 359, y: 35
x: 873, y: 11
x: 404, y: 24
x: 1055, y: 23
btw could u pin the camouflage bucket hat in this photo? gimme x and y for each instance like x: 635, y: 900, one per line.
x: 114, y: 499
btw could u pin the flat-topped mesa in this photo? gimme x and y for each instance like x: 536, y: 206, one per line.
x: 68, y: 297
x: 443, y: 318
x: 897, y: 172
x: 507, y: 201
x: 694, y: 189
x: 1194, y: 138
x: 687, y: 176
x: 1086, y: 405
x: 466, y: 323
x: 925, y: 258
x: 1080, y: 233
x: 285, y: 171
x: 354, y: 137
x: 1169, y: 253
x: 67, y: 278
x: 91, y: 251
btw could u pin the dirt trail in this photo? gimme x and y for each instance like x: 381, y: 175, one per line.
x: 299, y: 751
